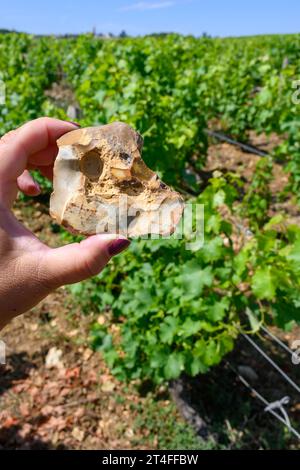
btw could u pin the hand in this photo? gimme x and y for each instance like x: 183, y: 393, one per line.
x: 29, y: 270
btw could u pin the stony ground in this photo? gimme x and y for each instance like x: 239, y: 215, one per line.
x: 55, y: 392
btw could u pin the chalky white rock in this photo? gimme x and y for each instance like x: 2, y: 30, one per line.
x: 102, y: 185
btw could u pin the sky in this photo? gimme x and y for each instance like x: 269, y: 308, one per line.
x: 139, y: 17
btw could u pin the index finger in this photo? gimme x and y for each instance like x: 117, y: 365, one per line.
x: 32, y: 138
x: 36, y: 139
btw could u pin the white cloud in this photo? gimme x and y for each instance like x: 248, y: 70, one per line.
x: 141, y: 6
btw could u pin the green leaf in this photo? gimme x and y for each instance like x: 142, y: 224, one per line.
x: 168, y: 329
x: 194, y: 278
x: 277, y: 219
x: 190, y: 327
x: 199, y: 347
x: 219, y: 198
x: 158, y: 358
x: 211, y: 353
x: 217, y: 311
x: 294, y: 254
x: 240, y: 261
x: 196, y: 366
x: 264, y: 96
x: 254, y: 322
x: 174, y: 365
x: 213, y: 249
x: 263, y: 283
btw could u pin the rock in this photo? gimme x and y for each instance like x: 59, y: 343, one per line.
x: 102, y: 185
x: 73, y: 112
x: 53, y: 358
x: 87, y: 354
x: 78, y: 434
x: 101, y: 319
x: 108, y: 386
x: 129, y: 433
x: 248, y: 373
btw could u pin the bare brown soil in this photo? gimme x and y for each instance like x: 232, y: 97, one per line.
x: 77, y: 403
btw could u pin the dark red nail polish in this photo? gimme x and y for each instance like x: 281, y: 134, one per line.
x: 75, y: 123
x: 117, y: 246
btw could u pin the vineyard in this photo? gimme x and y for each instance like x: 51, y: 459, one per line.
x: 166, y: 310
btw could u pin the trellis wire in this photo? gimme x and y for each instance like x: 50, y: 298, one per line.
x: 282, y: 373
x: 277, y: 340
x: 269, y: 406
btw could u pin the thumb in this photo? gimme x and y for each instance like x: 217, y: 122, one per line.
x: 78, y: 261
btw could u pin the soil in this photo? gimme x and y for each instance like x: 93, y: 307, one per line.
x: 227, y: 157
x: 61, y: 94
x: 233, y: 159
x: 75, y: 404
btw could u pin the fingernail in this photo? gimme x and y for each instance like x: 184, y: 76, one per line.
x: 117, y: 246
x: 75, y: 123
x: 34, y: 188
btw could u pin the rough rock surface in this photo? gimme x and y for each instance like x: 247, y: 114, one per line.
x: 102, y: 185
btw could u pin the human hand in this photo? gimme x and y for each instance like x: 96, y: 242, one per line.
x: 30, y: 270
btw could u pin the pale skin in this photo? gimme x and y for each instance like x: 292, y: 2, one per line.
x: 30, y: 270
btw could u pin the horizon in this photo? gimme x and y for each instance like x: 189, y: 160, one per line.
x: 121, y: 34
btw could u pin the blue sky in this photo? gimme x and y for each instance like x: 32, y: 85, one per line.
x: 216, y: 17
